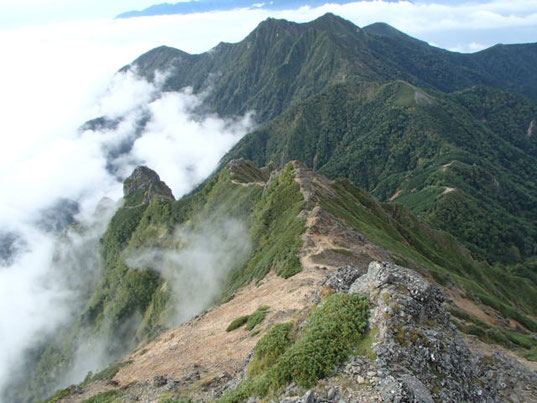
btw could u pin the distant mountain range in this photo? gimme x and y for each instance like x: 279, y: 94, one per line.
x: 202, y: 6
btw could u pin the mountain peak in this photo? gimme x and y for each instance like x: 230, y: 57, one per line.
x: 143, y: 186
x: 331, y: 21
x: 387, y: 31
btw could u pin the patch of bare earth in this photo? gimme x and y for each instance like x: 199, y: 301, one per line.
x: 446, y: 166
x: 395, y: 195
x: 95, y: 388
x: 473, y: 309
x: 203, y: 342
x: 236, y: 182
x: 327, y: 242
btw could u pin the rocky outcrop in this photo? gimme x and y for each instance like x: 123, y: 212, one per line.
x: 143, y: 186
x: 420, y: 355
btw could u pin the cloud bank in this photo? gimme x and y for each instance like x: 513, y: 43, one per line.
x: 196, y: 271
x: 68, y: 173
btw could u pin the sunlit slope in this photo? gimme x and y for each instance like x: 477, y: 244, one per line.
x: 282, y: 62
x: 286, y: 214
x: 465, y: 163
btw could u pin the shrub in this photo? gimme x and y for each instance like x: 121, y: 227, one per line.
x: 331, y: 334
x: 257, y: 317
x: 237, y: 323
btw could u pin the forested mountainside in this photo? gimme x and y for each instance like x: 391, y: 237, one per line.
x: 334, y: 95
x: 386, y: 249
x: 465, y: 162
x: 282, y: 62
x: 299, y: 224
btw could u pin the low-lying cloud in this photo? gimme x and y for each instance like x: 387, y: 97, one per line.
x: 45, y: 282
x: 197, y: 268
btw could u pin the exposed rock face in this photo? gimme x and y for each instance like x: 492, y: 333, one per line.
x: 420, y: 356
x: 343, y: 278
x: 143, y: 186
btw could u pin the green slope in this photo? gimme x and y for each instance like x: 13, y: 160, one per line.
x: 130, y: 305
x: 272, y: 218
x: 281, y: 63
x: 427, y: 150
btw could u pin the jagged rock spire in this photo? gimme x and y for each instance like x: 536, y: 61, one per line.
x: 143, y: 186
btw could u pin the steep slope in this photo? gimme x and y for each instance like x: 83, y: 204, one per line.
x: 464, y: 163
x: 340, y: 234
x: 256, y: 247
x: 408, y: 142
x: 282, y: 62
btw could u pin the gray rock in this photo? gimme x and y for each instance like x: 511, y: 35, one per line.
x: 419, y: 356
x: 145, y: 184
x: 159, y: 380
x: 309, y: 397
x: 332, y: 394
x: 341, y: 280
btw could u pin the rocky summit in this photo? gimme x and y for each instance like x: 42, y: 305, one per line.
x: 144, y: 185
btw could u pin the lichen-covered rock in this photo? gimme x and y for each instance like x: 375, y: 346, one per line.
x: 143, y: 186
x: 420, y: 356
x: 341, y: 280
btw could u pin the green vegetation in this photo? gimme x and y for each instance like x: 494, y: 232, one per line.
x: 111, y: 396
x: 105, y: 374
x: 365, y: 346
x: 301, y: 60
x: 241, y: 320
x: 332, y: 332
x: 416, y: 245
x: 333, y: 96
x: 276, y: 230
x: 138, y: 301
x: 251, y: 321
x: 59, y: 395
x: 267, y: 351
x: 257, y: 317
x: 427, y: 150
x: 523, y: 343
x: 246, y: 171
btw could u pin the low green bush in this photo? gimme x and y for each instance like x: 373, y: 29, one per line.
x: 257, y: 317
x: 333, y: 331
x: 237, y: 323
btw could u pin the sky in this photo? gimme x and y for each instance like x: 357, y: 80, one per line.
x: 58, y: 70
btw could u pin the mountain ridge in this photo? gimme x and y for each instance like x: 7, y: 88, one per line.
x: 342, y: 234
x: 184, y: 8
x: 340, y: 50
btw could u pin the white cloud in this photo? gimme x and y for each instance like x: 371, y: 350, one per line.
x: 468, y: 47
